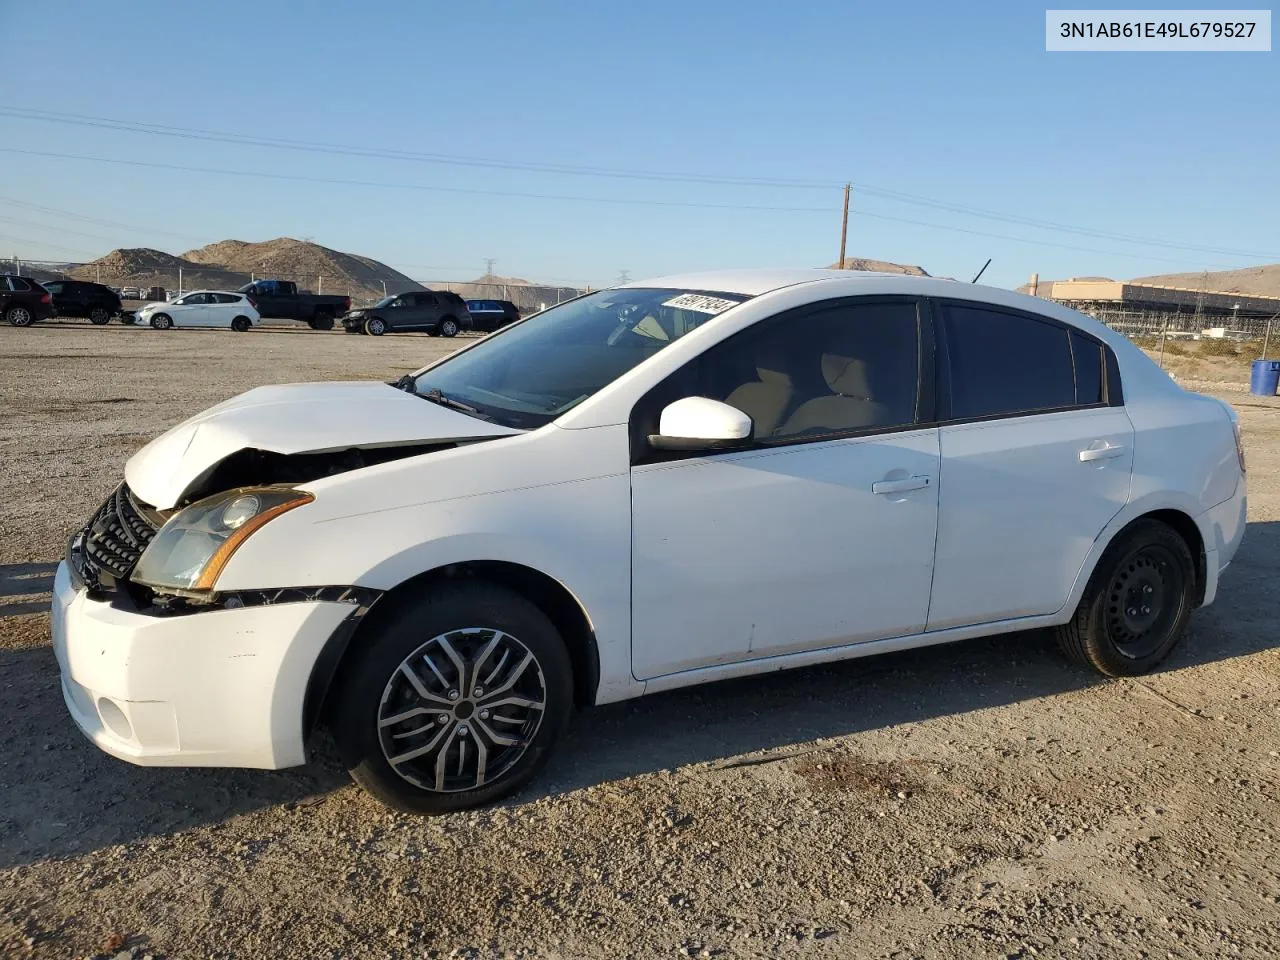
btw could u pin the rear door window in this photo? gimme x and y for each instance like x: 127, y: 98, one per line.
x: 1005, y: 364
x: 1088, y: 357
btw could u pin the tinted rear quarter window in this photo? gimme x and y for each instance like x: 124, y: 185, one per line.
x: 1004, y: 364
x: 1088, y: 358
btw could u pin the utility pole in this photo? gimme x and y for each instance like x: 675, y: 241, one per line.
x: 179, y: 281
x: 320, y: 284
x: 384, y: 288
x: 844, y: 226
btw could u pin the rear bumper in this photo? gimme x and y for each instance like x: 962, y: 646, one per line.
x: 1222, y: 528
x: 224, y: 688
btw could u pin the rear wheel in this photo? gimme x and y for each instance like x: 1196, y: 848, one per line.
x: 1137, y: 604
x: 162, y: 321
x: 448, y: 327
x: 99, y: 316
x: 375, y: 326
x: 19, y: 316
x: 321, y: 321
x: 457, y: 700
x: 241, y: 324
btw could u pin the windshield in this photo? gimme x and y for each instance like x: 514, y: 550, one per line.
x: 532, y: 372
x: 384, y: 302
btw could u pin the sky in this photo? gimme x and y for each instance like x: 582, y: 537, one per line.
x: 573, y: 141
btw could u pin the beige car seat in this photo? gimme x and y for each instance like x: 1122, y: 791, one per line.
x: 849, y: 406
x: 764, y: 400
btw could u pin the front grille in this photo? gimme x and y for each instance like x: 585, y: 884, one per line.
x: 110, y: 545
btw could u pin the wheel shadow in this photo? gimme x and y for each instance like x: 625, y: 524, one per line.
x: 62, y: 797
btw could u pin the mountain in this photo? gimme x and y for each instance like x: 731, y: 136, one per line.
x: 310, y: 265
x: 231, y: 263
x: 879, y: 266
x: 1259, y: 281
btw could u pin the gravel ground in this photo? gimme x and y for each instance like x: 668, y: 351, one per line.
x: 984, y: 799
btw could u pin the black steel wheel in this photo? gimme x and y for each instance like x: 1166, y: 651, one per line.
x: 1136, y: 606
x: 99, y: 316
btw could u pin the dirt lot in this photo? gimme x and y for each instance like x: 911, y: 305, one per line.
x: 984, y: 799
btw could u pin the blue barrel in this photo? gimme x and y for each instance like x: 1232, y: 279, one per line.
x: 1265, y: 377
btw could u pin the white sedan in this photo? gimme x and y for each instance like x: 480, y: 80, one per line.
x: 202, y: 308
x: 648, y: 487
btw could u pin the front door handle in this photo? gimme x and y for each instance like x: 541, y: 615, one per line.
x: 1108, y: 451
x: 901, y: 486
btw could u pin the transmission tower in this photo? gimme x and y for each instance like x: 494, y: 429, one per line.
x: 624, y: 277
x: 488, y: 265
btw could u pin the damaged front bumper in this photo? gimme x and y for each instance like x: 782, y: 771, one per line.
x: 226, y: 686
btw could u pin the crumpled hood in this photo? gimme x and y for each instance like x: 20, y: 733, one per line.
x: 293, y: 418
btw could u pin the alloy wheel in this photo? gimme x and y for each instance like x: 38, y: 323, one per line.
x: 461, y: 710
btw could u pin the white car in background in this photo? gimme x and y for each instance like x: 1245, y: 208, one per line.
x: 648, y: 487
x: 201, y: 308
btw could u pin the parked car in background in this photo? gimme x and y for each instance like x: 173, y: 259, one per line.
x: 648, y: 487
x: 281, y: 299
x: 130, y: 293
x: 23, y: 301
x: 201, y: 308
x: 79, y: 298
x: 437, y: 312
x: 490, y: 315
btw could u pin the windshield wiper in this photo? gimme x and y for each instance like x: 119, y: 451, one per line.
x: 435, y: 396
x: 406, y: 383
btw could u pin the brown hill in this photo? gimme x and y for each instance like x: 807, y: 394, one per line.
x: 232, y: 263
x: 880, y: 266
x: 1260, y: 281
x: 142, y: 266
x: 310, y: 265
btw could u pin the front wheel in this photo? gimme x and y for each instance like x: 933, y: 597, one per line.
x: 375, y: 326
x: 241, y: 324
x: 19, y: 316
x: 99, y: 316
x: 455, y: 701
x: 161, y: 321
x: 448, y: 327
x: 1137, y: 603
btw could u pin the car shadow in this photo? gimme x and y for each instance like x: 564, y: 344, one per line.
x: 21, y: 584
x: 62, y: 797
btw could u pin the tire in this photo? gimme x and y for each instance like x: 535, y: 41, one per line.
x: 161, y: 321
x: 19, y: 316
x: 448, y: 327
x: 241, y: 324
x: 435, y: 775
x: 375, y: 326
x: 1136, y: 606
x: 321, y: 321
x: 99, y: 316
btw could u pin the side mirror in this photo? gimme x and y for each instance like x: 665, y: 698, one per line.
x: 700, y: 423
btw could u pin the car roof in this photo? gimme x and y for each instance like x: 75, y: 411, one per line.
x: 751, y: 283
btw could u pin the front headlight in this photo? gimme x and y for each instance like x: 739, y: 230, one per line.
x: 195, y: 544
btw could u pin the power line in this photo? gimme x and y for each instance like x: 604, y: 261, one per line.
x: 309, y: 146
x: 98, y: 220
x: 629, y: 201
x: 193, y: 133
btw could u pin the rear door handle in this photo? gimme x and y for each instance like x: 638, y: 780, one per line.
x: 901, y: 486
x: 1108, y: 451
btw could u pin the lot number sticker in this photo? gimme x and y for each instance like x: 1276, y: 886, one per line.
x: 699, y: 303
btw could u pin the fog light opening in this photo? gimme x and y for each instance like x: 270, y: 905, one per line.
x: 113, y: 719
